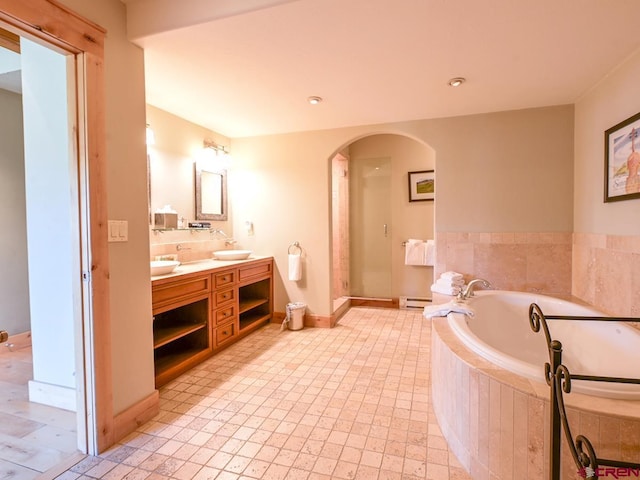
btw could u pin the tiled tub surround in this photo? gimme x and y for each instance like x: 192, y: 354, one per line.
x: 606, y: 272
x: 601, y: 270
x: 496, y: 422
x: 523, y: 261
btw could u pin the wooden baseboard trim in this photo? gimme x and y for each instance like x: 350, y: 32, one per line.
x: 321, y: 321
x: 340, y: 312
x: 361, y: 302
x: 311, y: 321
x: 127, y: 421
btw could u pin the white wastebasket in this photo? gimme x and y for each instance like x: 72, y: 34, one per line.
x: 295, y: 315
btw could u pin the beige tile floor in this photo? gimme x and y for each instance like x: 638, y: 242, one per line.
x: 33, y: 437
x: 350, y: 402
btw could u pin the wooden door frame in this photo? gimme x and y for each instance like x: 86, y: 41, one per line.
x: 66, y: 31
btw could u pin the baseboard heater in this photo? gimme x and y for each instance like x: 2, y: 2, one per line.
x: 407, y: 303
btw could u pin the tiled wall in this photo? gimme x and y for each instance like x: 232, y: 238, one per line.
x: 606, y: 272
x: 194, y: 244
x: 530, y: 262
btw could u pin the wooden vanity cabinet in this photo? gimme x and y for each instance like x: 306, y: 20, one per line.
x: 225, y: 307
x: 181, y: 324
x: 196, y: 315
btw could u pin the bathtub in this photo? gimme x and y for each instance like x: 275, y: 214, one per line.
x: 490, y: 398
x: 500, y: 332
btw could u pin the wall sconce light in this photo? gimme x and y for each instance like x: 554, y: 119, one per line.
x: 151, y: 137
x: 219, y: 150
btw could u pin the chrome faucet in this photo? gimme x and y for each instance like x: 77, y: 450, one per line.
x: 228, y: 241
x: 468, y: 291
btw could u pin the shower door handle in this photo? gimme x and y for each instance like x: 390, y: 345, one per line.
x: 386, y: 229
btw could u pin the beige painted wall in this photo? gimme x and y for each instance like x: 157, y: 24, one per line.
x: 177, y: 144
x: 408, y: 219
x: 498, y: 172
x: 615, y: 99
x: 130, y: 284
x: 606, y: 247
x: 508, y: 171
x: 14, y: 281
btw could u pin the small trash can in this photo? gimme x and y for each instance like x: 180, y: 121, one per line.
x: 295, y: 315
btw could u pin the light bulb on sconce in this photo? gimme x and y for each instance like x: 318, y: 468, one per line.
x: 219, y: 150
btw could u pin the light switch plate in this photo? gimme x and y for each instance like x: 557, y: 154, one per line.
x: 118, y: 231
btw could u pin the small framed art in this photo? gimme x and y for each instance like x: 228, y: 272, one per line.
x: 622, y: 160
x: 422, y: 186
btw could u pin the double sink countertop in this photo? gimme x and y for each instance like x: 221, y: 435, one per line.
x: 198, y: 266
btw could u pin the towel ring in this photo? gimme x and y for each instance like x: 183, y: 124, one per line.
x: 294, y: 245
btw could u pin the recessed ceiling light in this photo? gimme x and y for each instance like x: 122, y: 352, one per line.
x: 457, y: 81
x: 314, y: 100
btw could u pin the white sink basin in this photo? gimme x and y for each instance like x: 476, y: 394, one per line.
x: 231, y: 254
x: 163, y: 267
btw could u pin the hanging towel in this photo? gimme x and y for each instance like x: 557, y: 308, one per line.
x: 419, y: 252
x: 444, y: 309
x: 295, y: 267
x: 430, y: 253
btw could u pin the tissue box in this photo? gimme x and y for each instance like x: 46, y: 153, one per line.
x: 165, y: 220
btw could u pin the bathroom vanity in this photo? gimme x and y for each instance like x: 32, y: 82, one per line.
x: 201, y: 308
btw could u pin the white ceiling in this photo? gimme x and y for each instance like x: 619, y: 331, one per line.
x: 248, y: 72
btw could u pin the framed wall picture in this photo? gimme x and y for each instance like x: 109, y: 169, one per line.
x: 622, y: 160
x: 422, y: 186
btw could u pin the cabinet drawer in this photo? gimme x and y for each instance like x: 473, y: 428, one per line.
x: 171, y: 292
x: 225, y: 296
x: 224, y: 334
x: 254, y: 270
x: 223, y: 279
x: 223, y: 315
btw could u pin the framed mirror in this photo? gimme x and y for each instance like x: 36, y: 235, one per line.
x: 211, y: 193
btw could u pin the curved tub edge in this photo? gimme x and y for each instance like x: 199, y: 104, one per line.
x: 480, y: 409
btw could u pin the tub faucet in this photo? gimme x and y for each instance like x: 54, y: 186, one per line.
x: 468, y: 291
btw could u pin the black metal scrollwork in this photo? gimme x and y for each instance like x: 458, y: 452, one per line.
x: 559, y: 379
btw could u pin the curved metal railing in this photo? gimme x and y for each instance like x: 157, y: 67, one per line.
x: 559, y: 380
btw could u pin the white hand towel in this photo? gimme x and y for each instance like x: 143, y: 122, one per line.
x: 295, y: 267
x: 452, y: 276
x: 452, y: 290
x: 444, y: 309
x: 430, y: 253
x: 443, y: 282
x: 414, y: 252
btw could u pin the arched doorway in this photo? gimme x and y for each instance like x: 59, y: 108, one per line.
x: 372, y: 218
